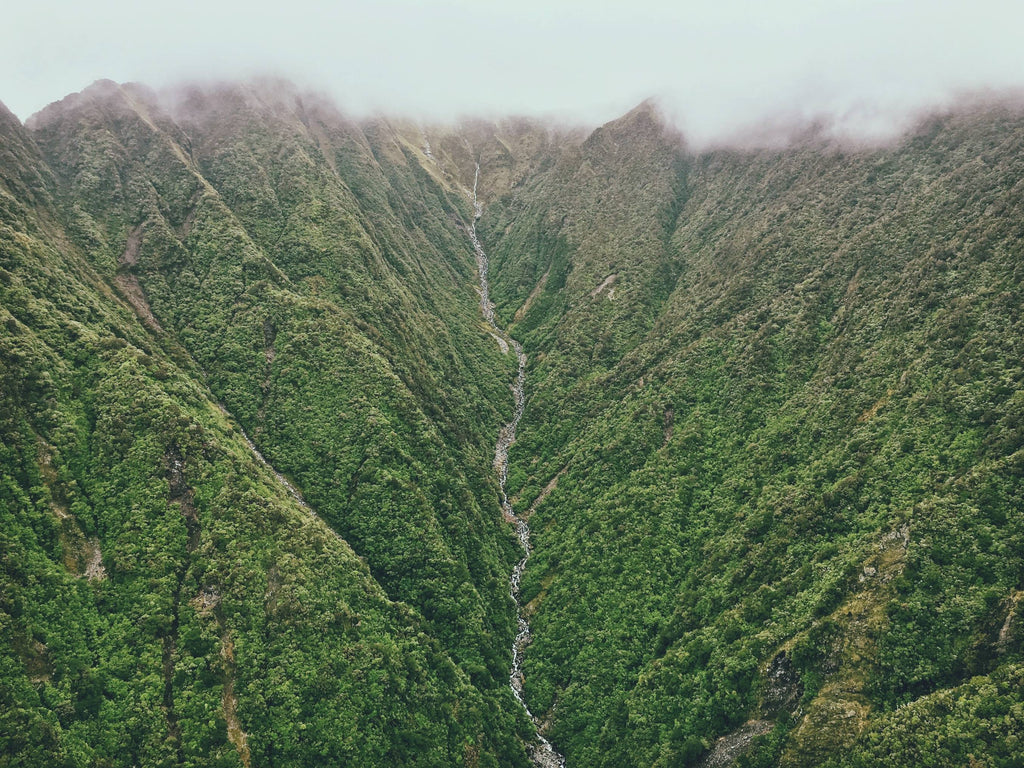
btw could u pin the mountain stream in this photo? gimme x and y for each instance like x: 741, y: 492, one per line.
x: 542, y: 753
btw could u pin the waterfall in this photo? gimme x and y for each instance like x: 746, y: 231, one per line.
x: 543, y: 753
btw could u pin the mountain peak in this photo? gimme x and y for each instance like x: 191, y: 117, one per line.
x: 7, y: 118
x: 645, y: 116
x: 100, y: 94
x: 642, y: 129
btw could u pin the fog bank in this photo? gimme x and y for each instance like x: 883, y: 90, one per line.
x: 719, y: 69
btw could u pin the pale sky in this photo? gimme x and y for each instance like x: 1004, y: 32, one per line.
x: 714, y: 64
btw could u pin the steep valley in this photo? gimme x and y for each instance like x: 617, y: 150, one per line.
x: 767, y: 466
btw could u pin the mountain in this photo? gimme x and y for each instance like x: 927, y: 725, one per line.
x: 771, y: 453
x: 166, y: 600
x: 780, y: 394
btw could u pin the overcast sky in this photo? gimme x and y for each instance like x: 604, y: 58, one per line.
x: 715, y: 64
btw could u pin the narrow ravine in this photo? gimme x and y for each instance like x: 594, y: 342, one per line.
x: 281, y: 479
x: 542, y: 752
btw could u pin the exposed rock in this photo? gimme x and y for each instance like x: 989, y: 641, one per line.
x: 1010, y: 631
x: 783, y: 689
x: 206, y: 602
x: 607, y: 283
x: 134, y: 295
x: 728, y: 748
x: 900, y: 538
x: 869, y: 572
x: 229, y: 702
x: 130, y: 256
x: 94, y: 570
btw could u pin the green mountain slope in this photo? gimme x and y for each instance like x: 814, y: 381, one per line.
x: 165, y: 600
x: 771, y: 452
x: 336, y: 326
x: 783, y: 489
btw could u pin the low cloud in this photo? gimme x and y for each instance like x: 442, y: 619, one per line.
x: 725, y: 70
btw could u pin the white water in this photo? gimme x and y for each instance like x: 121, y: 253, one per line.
x: 542, y: 753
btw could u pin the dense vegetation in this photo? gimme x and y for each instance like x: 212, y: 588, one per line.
x: 772, y: 447
x: 161, y: 590
x: 780, y: 392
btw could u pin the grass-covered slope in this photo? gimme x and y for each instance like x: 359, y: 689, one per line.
x: 164, y: 599
x: 784, y: 486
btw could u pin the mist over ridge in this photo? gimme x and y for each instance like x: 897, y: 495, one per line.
x: 716, y: 68
x: 836, y: 125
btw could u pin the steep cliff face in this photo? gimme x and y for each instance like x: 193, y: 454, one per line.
x: 770, y: 452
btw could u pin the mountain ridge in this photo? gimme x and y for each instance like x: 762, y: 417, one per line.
x: 771, y: 446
